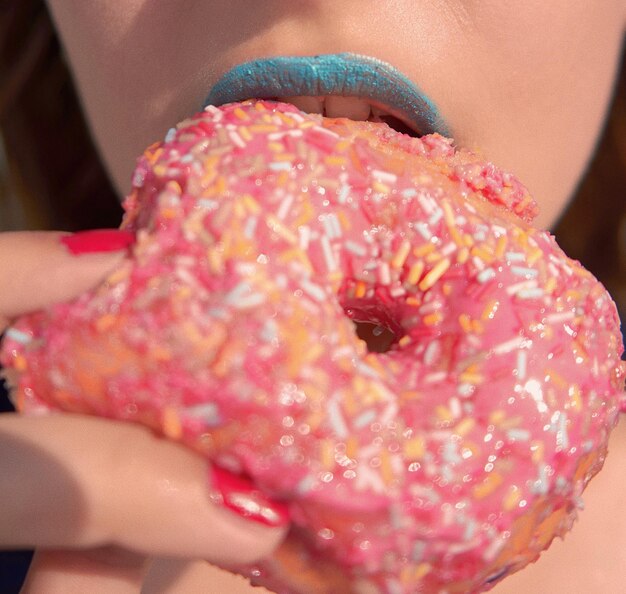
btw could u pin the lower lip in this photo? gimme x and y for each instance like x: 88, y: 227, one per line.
x: 333, y: 74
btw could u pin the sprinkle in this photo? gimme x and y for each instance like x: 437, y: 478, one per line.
x: 519, y: 342
x: 526, y: 272
x: 336, y: 419
x: 485, y: 275
x: 285, y: 207
x: 434, y: 274
x: 522, y: 358
x: 329, y: 256
x: 280, y: 229
x: 313, y: 290
x: 384, y: 274
x: 384, y: 177
x: 515, y: 256
x: 401, y: 254
x: 18, y: 336
x: 280, y: 166
x: 423, y: 230
x: 531, y: 293
x: 518, y: 434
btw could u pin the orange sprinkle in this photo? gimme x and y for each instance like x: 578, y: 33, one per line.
x: 462, y: 255
x: 434, y: 274
x: 512, y: 498
x: 489, y: 485
x: 105, y: 322
x: 483, y: 253
x: 501, y: 246
x: 490, y: 310
x: 415, y: 273
x: 423, y: 250
x: 465, y: 426
x: 575, y: 397
x: 20, y: 364
x: 465, y: 323
x: 415, y: 448
x: 170, y: 422
x: 360, y: 289
x: 401, y: 255
x: 534, y: 256
x: 433, y: 319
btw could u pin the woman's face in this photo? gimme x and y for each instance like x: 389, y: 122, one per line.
x: 527, y: 82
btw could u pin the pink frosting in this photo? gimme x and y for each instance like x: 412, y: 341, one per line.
x: 442, y: 464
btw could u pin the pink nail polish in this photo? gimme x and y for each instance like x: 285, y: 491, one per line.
x: 241, y: 496
x: 98, y: 241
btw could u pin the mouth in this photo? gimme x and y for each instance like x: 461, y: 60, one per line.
x: 335, y: 85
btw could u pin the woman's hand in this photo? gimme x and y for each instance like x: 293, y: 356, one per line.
x: 99, y: 487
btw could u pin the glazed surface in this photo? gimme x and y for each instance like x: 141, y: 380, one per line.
x: 442, y: 464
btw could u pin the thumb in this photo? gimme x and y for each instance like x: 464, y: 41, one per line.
x: 40, y: 268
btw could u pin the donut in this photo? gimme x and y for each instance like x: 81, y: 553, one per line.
x: 440, y: 461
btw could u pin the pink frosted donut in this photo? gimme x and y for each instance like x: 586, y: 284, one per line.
x: 442, y: 464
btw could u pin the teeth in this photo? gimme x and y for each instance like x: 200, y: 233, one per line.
x: 333, y: 106
x: 360, y: 110
x: 347, y: 107
x: 306, y: 104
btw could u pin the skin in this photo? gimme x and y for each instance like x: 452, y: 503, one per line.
x: 526, y: 82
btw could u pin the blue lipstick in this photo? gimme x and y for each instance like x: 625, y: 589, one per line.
x: 349, y: 75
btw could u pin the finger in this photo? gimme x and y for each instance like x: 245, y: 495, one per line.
x: 77, y: 482
x: 39, y: 268
x: 98, y: 571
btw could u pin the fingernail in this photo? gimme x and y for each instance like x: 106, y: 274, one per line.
x: 241, y: 496
x: 97, y: 241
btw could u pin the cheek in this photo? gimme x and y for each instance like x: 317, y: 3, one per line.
x: 533, y: 90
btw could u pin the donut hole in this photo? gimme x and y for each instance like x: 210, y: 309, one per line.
x: 377, y: 337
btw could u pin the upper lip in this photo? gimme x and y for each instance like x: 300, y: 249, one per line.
x: 345, y: 74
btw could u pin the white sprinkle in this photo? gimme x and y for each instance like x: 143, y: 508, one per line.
x: 18, y: 336
x: 384, y: 274
x: 455, y: 407
x: 305, y: 235
x: 448, y: 249
x: 329, y: 256
x: 306, y: 484
x: 432, y: 353
x: 313, y: 290
x: 423, y: 230
x: 331, y: 226
x: 397, y: 291
x: 171, y: 134
x: 465, y: 390
x: 436, y: 377
x: 208, y: 412
x: 384, y: 176
x: 514, y: 289
x: 336, y: 419
x: 250, y: 227
x: 480, y: 265
x: 408, y: 193
x: 518, y: 434
x: 533, y: 387
x: 343, y: 193
x: 485, y: 275
x: 558, y: 318
x: 236, y: 139
x: 364, y: 419
x: 523, y: 271
x: 325, y: 131
x: 493, y: 549
x: 540, y: 486
x: 522, y: 358
x: 207, y: 203
x: 562, y: 437
x: 435, y: 217
x: 280, y: 166
x: 367, y: 478
x: 214, y: 111
x: 248, y: 301
x: 519, y: 342
x: 390, y: 412
x: 269, y: 332
x: 534, y: 293
x: 427, y: 203
x: 285, y: 207
x: 356, y: 248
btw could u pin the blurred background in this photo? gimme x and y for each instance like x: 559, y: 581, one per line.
x: 51, y: 177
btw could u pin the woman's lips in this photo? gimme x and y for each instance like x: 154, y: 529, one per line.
x: 321, y: 83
